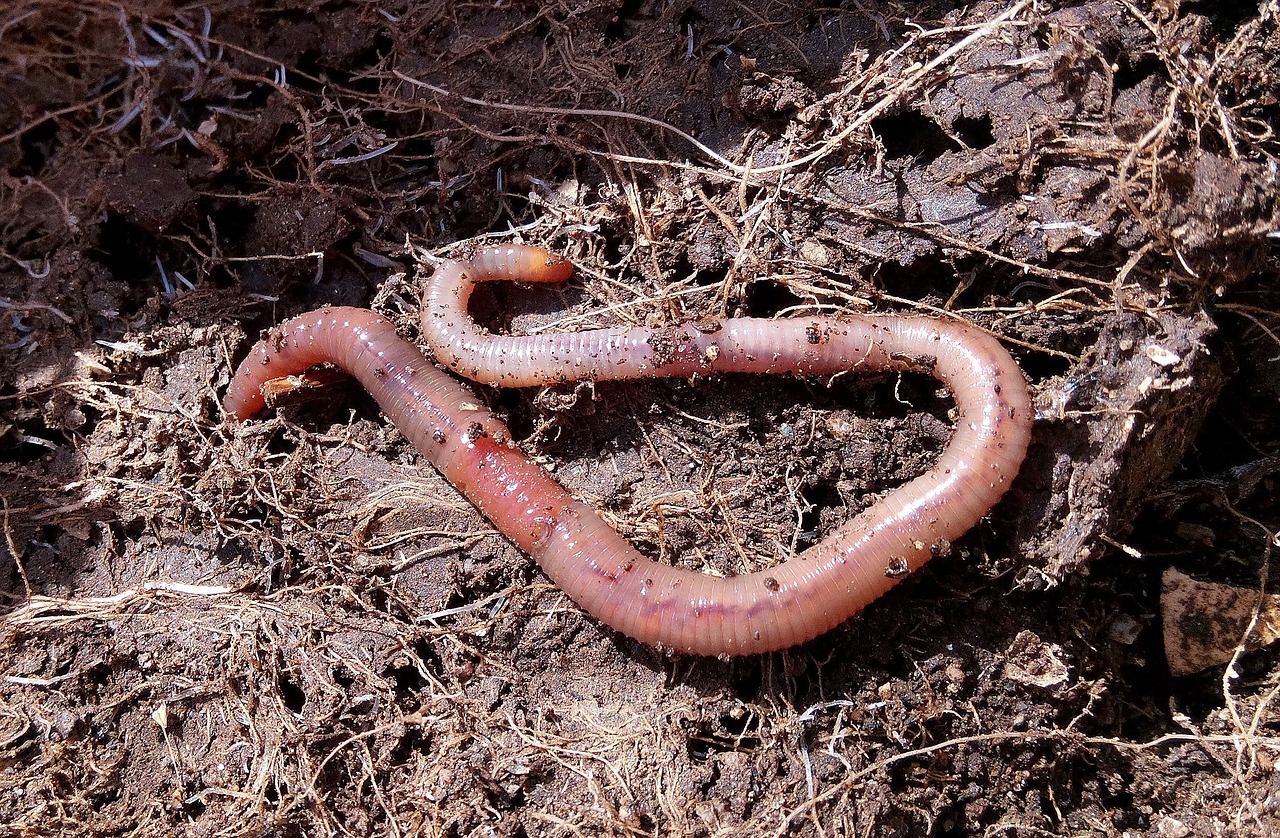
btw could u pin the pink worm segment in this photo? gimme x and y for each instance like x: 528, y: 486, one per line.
x: 655, y: 603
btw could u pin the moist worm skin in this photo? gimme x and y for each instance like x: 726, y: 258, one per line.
x: 757, y: 612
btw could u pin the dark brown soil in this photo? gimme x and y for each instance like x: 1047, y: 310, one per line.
x: 291, y: 627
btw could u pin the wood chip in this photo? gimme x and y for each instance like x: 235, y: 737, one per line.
x: 1204, y: 622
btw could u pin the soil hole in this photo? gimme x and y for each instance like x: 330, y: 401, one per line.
x: 408, y: 679
x: 38, y: 145
x: 410, y: 743
x: 974, y: 132
x: 820, y: 498
x: 33, y: 443
x: 125, y: 249
x: 617, y: 27
x: 294, y: 698
x: 912, y: 134
x: 769, y: 299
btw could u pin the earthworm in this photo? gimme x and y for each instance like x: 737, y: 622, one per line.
x: 795, y: 601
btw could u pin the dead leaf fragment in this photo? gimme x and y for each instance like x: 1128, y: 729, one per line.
x: 1204, y: 621
x: 1031, y: 661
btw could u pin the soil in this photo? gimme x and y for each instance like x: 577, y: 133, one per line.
x: 293, y: 627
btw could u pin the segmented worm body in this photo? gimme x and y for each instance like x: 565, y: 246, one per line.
x: 756, y: 612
